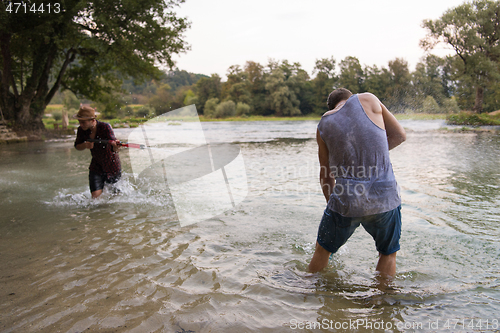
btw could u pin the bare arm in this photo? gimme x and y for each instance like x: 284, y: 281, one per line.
x: 379, y: 114
x: 326, y: 180
x: 115, y: 145
x: 396, y: 134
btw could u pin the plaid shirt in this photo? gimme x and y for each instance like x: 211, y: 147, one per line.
x: 104, y: 159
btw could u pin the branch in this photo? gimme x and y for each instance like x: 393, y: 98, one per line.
x: 44, y: 77
x: 70, y: 57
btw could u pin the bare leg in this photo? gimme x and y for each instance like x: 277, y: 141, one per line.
x: 96, y: 194
x: 387, y: 265
x: 319, y: 259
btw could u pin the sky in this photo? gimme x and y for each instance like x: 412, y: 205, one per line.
x: 231, y: 32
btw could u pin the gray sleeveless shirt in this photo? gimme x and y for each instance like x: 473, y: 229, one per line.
x: 359, y: 161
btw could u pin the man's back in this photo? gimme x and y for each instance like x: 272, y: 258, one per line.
x: 356, y: 177
x: 358, y: 156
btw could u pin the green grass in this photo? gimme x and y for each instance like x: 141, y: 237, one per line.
x: 260, y: 118
x: 134, y: 121
x: 420, y: 116
x: 54, y: 107
x: 472, y: 119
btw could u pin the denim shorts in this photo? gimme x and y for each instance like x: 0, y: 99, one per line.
x: 96, y: 180
x: 385, y: 228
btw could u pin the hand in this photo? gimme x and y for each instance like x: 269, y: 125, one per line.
x: 89, y: 145
x: 115, y: 144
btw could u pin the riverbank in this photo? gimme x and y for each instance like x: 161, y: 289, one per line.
x: 130, y: 122
x: 7, y: 135
x: 467, y: 120
x: 474, y: 119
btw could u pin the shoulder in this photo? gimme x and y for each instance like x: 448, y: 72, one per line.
x: 368, y: 97
x: 328, y: 113
x: 102, y: 124
x: 370, y: 102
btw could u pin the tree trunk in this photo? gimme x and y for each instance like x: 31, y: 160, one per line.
x: 478, y: 104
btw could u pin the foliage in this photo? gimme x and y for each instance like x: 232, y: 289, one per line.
x: 283, y: 86
x: 450, y: 105
x: 88, y: 47
x: 225, y: 109
x: 473, y: 31
x: 70, y: 101
x: 351, y: 75
x: 473, y: 119
x: 145, y: 112
x: 161, y: 101
x: 430, y: 105
x: 322, y: 85
x: 210, y: 106
x: 190, y: 98
x: 400, y: 94
x: 237, y: 86
x: 57, y: 115
x: 242, y: 109
x: 206, y: 88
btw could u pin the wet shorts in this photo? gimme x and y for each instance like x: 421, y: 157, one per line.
x: 385, y: 228
x: 96, y: 180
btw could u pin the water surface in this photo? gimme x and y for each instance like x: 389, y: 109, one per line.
x: 123, y: 263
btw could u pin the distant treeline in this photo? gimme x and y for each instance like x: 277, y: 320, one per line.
x: 284, y: 89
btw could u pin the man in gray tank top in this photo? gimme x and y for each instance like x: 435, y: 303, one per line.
x: 356, y: 176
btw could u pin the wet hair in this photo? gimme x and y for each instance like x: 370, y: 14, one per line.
x: 340, y: 94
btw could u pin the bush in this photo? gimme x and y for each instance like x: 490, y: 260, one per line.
x: 225, y: 109
x: 472, y: 119
x: 430, y: 105
x: 57, y: 115
x: 450, y: 105
x: 145, y: 112
x: 242, y: 109
x: 209, y: 108
x: 125, y: 112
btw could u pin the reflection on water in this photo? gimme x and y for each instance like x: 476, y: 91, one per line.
x: 123, y: 263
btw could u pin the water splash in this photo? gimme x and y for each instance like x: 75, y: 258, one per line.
x: 143, y: 191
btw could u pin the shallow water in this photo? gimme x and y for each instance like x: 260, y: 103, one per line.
x: 123, y: 263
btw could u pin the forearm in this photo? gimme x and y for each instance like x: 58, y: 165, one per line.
x: 327, y: 187
x: 396, y: 140
x: 396, y: 133
x: 81, y: 146
x: 327, y: 181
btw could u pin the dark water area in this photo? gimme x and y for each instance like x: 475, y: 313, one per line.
x: 124, y: 263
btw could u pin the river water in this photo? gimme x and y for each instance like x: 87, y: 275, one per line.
x: 123, y: 263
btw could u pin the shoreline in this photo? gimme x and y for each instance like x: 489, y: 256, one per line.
x: 53, y: 133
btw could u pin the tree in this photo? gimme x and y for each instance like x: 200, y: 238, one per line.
x: 162, y: 100
x: 351, y: 74
x: 209, y: 107
x: 282, y: 85
x: 429, y: 79
x: 256, y: 77
x: 473, y: 31
x: 225, y: 109
x: 400, y: 94
x: 207, y: 88
x: 430, y: 105
x: 81, y: 46
x: 323, y: 83
x: 377, y: 81
x: 237, y: 88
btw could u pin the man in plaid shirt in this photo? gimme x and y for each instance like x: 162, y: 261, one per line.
x: 105, y: 166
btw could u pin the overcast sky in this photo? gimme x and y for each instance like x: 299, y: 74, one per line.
x: 231, y: 32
